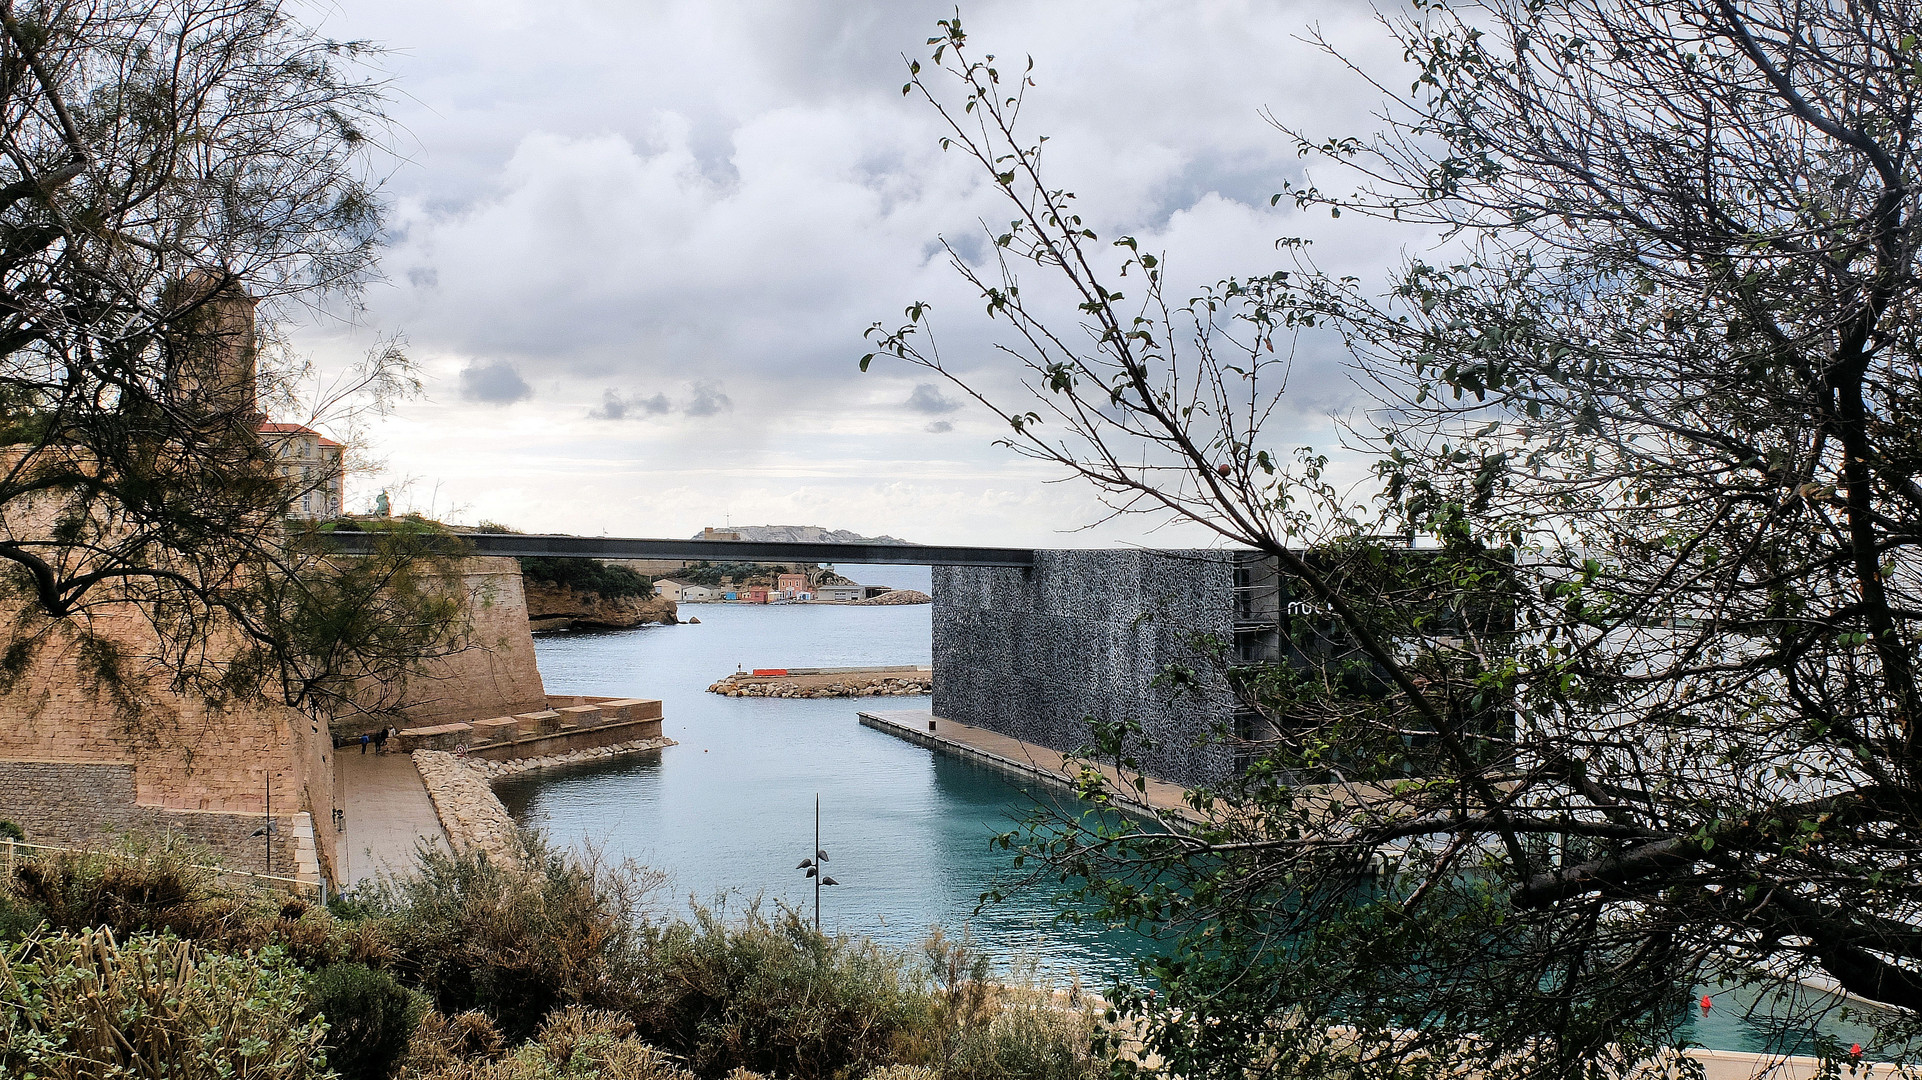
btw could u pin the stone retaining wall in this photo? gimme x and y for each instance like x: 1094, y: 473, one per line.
x: 569, y: 723
x: 69, y: 804
x: 495, y: 770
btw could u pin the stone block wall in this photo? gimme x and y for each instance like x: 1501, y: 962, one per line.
x: 1034, y: 653
x: 143, y: 756
x: 70, y: 804
x: 495, y: 675
x: 568, y: 723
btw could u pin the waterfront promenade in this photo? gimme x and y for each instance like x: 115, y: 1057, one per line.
x: 387, y: 813
x: 1028, y: 761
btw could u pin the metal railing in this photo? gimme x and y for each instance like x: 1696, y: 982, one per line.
x: 15, y: 851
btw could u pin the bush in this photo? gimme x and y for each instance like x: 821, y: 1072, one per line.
x: 137, y: 885
x: 573, y: 1043
x: 152, y: 886
x: 370, y: 1018
x: 82, y: 1006
x: 17, y: 919
x: 8, y: 830
x: 516, y: 943
x: 776, y: 996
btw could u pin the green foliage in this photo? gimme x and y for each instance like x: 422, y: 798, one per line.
x: 776, y: 996
x: 573, y: 1044
x: 143, y: 884
x: 606, y: 580
x: 515, y: 943
x: 369, y: 1016
x: 9, y: 830
x: 710, y: 574
x: 85, y: 1006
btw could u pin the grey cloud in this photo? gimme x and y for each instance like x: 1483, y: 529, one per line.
x: 928, y: 398
x: 940, y: 427
x: 615, y: 407
x: 704, y: 399
x: 495, y: 384
x: 707, y: 400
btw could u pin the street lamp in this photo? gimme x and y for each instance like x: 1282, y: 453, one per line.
x: 813, y: 866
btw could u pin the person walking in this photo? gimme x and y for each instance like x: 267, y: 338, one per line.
x: 364, y: 740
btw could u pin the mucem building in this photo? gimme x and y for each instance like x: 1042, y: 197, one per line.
x: 1036, y: 653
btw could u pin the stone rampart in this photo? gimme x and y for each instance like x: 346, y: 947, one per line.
x: 1035, y: 653
x: 572, y: 723
x: 494, y: 675
x: 85, y: 757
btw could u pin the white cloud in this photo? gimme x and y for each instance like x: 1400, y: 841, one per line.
x: 682, y: 216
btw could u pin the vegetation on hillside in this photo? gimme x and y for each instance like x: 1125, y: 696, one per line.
x: 609, y: 581
x: 469, y: 969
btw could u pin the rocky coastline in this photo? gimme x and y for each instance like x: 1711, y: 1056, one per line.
x: 557, y: 607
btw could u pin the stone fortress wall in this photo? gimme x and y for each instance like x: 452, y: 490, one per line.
x: 82, y: 760
x: 1034, y: 653
x: 80, y: 764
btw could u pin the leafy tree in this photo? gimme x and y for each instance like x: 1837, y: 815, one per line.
x: 165, y: 167
x: 1653, y: 410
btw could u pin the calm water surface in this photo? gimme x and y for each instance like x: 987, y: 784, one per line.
x: 730, y: 810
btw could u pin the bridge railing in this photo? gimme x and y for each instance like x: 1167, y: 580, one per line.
x: 553, y: 546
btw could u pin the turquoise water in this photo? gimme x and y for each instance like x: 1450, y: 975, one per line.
x: 730, y: 811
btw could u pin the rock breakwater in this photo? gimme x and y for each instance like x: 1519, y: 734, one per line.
x: 827, y: 683
x: 494, y: 770
x: 893, y: 597
x: 474, y: 818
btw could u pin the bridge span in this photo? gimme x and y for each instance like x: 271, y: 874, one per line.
x: 531, y: 545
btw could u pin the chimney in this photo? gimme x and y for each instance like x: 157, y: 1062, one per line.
x: 210, y: 348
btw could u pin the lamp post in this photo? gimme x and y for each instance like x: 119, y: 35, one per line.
x: 813, y: 866
x: 267, y: 829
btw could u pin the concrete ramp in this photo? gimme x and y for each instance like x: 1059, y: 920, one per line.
x: 388, y: 813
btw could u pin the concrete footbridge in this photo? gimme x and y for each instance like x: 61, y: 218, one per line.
x: 527, y: 545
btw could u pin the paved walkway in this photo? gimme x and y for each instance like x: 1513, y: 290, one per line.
x: 1028, y: 760
x: 388, y: 813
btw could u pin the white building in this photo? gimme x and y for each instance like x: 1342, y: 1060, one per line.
x: 697, y: 594
x: 840, y: 593
x: 312, y: 466
x: 670, y: 589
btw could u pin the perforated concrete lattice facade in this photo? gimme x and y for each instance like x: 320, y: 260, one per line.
x: 1035, y: 653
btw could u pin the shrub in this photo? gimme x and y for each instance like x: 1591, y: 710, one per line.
x: 516, y: 943
x: 776, y: 996
x: 573, y: 1043
x: 10, y: 831
x: 17, y: 919
x: 82, y: 1006
x: 369, y: 1017
x: 148, y: 885
x: 138, y: 884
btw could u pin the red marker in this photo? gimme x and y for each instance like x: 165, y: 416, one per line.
x: 1707, y: 1003
x: 1855, y: 1049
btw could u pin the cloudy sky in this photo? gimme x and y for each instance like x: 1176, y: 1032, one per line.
x: 635, y: 244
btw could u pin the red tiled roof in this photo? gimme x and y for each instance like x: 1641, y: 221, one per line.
x: 269, y: 427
